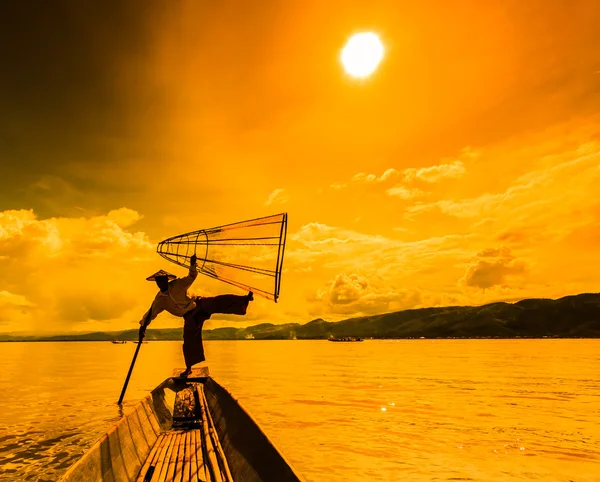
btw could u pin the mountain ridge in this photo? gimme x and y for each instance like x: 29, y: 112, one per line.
x: 573, y: 316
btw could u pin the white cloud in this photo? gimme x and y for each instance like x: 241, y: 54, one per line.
x: 13, y: 222
x: 405, y: 193
x: 563, y: 182
x: 492, y: 267
x: 13, y: 305
x: 278, y: 196
x: 71, y: 270
x: 454, y: 169
x: 124, y: 217
x: 331, y: 248
x: 363, y: 177
x: 369, y: 178
x: 389, y: 174
x: 7, y: 298
x: 346, y: 289
x: 356, y: 294
x: 435, y: 173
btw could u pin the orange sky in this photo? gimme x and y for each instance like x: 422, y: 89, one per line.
x: 464, y: 171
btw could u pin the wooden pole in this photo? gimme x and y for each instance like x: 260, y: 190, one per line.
x: 129, y: 373
x: 134, y: 357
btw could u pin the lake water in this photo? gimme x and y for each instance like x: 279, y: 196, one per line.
x: 488, y: 410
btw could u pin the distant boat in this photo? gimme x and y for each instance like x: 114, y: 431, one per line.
x: 249, y: 336
x: 119, y: 342
x: 186, y: 429
x: 345, y: 338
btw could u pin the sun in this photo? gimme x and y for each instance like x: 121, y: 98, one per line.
x: 362, y: 54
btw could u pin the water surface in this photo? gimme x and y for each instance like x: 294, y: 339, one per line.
x: 489, y: 410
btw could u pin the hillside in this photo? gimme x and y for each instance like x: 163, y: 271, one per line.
x: 575, y: 316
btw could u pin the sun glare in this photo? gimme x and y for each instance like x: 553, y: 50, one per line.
x: 362, y: 54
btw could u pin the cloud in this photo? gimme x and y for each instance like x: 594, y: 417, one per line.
x: 70, y: 271
x: 464, y: 208
x: 124, y: 217
x: 346, y: 289
x: 322, y: 239
x: 492, y: 267
x: 561, y: 183
x: 278, y: 196
x: 432, y: 174
x: 332, y: 246
x: 387, y: 175
x: 353, y: 294
x: 363, y: 177
x: 356, y: 294
x: 405, y: 193
x: 13, y: 222
x: 384, y: 271
x: 12, y: 305
x: 454, y: 169
x: 11, y: 299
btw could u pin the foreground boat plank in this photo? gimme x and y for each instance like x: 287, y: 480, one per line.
x: 197, y: 466
x: 203, y: 435
x: 172, y: 458
x: 185, y: 477
x: 214, y: 439
x: 160, y: 469
x: 151, y: 460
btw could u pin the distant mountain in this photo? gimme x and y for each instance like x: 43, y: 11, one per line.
x: 575, y: 316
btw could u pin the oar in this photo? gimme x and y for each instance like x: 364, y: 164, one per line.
x: 134, y: 357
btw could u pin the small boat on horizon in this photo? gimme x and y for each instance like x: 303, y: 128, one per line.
x: 345, y: 338
x: 186, y: 429
x: 119, y: 342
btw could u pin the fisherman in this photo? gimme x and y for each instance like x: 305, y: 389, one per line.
x: 195, y: 310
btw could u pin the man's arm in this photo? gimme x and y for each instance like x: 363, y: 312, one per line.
x: 187, y: 281
x: 152, y: 313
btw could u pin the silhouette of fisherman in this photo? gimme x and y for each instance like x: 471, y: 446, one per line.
x: 173, y: 297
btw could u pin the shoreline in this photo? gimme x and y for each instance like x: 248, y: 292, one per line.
x: 325, y: 339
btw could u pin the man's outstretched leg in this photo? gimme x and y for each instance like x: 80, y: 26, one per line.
x: 193, y: 349
x: 225, y: 304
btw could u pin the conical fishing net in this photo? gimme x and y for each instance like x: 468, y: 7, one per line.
x: 248, y: 254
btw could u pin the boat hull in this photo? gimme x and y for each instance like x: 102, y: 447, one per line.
x: 120, y: 454
x: 252, y: 457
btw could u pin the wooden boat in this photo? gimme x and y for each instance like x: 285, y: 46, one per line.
x: 119, y: 342
x: 184, y: 430
x: 345, y: 338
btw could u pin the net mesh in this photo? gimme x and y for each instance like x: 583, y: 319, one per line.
x: 248, y: 254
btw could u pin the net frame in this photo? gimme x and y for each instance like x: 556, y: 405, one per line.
x: 179, y: 249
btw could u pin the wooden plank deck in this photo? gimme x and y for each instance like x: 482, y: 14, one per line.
x: 203, y: 435
x: 190, y: 451
x: 176, y: 457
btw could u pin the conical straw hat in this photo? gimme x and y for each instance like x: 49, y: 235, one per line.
x: 159, y: 274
